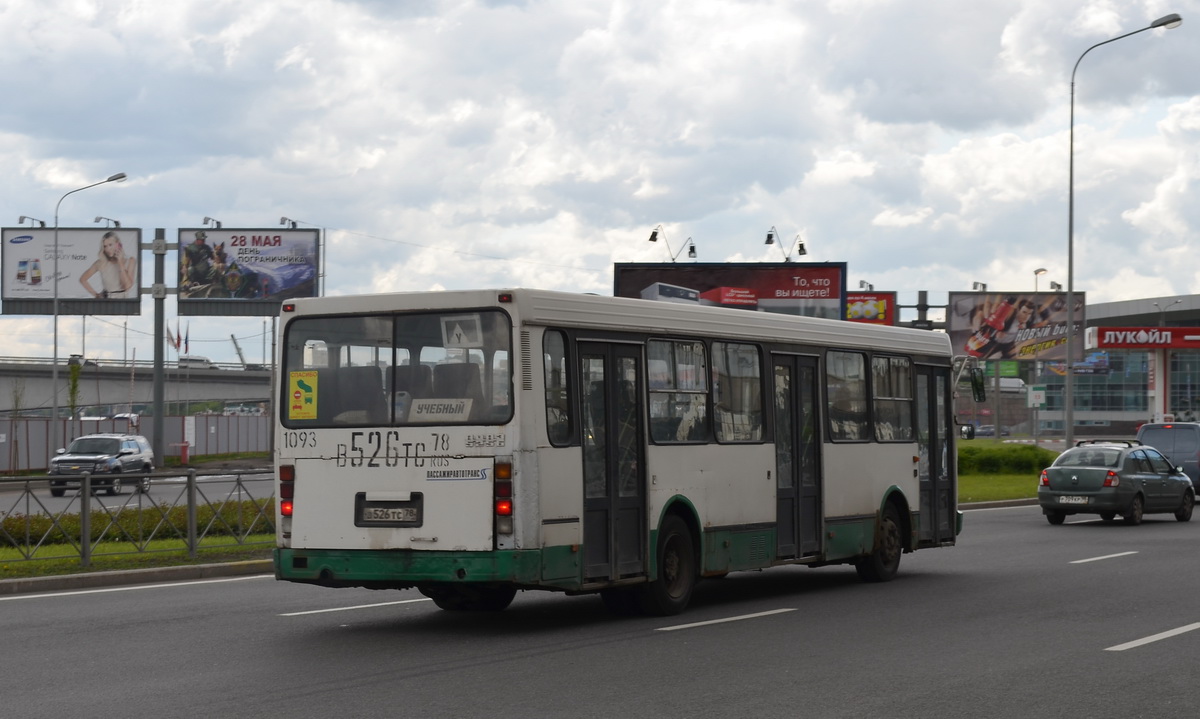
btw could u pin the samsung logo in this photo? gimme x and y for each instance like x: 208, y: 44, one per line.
x: 20, y: 239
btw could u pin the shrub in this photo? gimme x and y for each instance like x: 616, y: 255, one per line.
x: 161, y: 522
x: 1003, y: 458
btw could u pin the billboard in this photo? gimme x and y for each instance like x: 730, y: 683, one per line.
x: 1013, y: 325
x: 245, y: 271
x: 98, y: 270
x: 811, y: 289
x: 875, y: 308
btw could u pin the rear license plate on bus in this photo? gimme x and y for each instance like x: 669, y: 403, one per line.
x: 1073, y: 500
x: 388, y: 513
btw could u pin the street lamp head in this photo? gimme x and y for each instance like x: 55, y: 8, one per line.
x: 119, y: 177
x: 1040, y: 271
x: 771, y: 235
x: 1170, y: 22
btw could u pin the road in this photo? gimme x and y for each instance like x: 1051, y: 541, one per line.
x: 1022, y: 619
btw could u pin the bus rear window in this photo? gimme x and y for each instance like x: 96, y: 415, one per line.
x: 398, y: 370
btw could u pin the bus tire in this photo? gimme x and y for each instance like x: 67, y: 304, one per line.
x: 883, y: 562
x: 670, y: 591
x: 467, y: 598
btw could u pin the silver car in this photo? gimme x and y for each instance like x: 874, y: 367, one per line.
x: 1114, y: 478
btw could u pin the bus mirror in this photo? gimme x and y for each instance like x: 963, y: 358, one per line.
x: 967, y: 431
x: 977, y: 385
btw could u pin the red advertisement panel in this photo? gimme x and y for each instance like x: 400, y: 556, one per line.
x: 1143, y: 338
x: 876, y: 308
x: 816, y: 289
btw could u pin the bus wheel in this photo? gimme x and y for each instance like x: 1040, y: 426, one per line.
x: 464, y: 598
x: 621, y: 602
x: 671, y: 590
x: 882, y: 563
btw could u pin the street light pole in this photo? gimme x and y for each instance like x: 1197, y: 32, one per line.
x: 119, y: 177
x: 1170, y: 22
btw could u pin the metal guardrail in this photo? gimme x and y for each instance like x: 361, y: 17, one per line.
x: 32, y: 523
x: 141, y: 364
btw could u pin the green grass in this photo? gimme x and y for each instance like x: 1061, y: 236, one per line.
x: 115, y: 556
x: 996, y: 487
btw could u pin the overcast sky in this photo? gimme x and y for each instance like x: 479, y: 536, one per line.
x: 450, y: 144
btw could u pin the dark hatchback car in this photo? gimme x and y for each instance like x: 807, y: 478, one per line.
x: 106, y: 457
x: 1109, y: 478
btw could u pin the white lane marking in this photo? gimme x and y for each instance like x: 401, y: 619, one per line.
x: 135, y: 587
x: 968, y: 508
x: 360, y: 606
x: 1154, y: 638
x: 722, y: 621
x: 1107, y: 556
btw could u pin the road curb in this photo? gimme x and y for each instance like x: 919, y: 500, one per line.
x: 93, y: 580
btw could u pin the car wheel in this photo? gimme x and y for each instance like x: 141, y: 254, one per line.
x: 57, y: 492
x: 1184, y: 513
x: 1056, y: 516
x: 883, y: 563
x: 1108, y: 516
x: 144, y: 482
x: 1134, y: 515
x: 115, y: 486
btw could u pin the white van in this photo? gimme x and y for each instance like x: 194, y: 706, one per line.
x: 195, y: 362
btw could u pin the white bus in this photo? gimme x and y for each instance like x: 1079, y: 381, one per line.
x: 471, y: 444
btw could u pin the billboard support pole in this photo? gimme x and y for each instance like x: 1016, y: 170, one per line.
x: 159, y: 292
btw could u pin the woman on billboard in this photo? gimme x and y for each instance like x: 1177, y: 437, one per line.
x: 117, y: 272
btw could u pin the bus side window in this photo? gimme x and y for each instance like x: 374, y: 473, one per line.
x: 558, y: 413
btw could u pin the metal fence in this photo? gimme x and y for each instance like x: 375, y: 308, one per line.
x: 210, y: 511
x: 25, y: 441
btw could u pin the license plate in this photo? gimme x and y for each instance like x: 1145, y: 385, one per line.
x: 389, y: 514
x: 1072, y: 500
x: 379, y: 512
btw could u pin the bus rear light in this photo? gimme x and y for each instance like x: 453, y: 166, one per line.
x: 1111, y: 479
x: 502, y: 494
x: 287, y: 489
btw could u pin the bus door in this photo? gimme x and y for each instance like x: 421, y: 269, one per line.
x: 797, y: 457
x: 935, y: 466
x: 614, y: 500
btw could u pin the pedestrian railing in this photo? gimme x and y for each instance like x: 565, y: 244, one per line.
x: 173, y: 511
